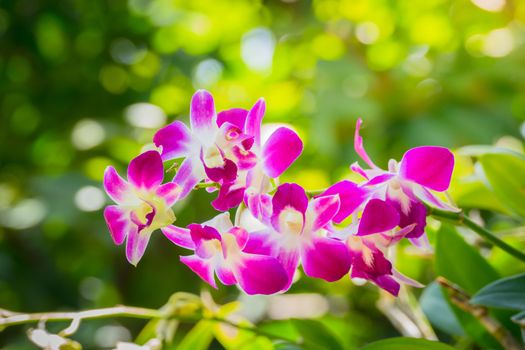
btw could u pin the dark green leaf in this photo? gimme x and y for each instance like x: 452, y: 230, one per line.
x: 460, y: 263
x: 406, y: 344
x: 504, y: 293
x: 438, y: 311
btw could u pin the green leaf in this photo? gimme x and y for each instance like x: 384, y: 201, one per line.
x: 438, y: 311
x: 199, y: 337
x: 475, y: 194
x: 458, y: 262
x: 508, y: 293
x: 406, y: 344
x: 481, y: 150
x: 506, y: 176
x: 316, y: 336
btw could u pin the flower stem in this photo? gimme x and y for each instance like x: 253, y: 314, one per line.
x: 14, y: 318
x: 10, y: 318
x: 461, y: 219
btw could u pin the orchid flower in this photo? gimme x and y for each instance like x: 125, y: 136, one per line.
x: 368, y: 239
x: 271, y: 158
x: 410, y: 183
x: 220, y: 249
x: 143, y: 203
x: 211, y: 151
x: 295, y: 232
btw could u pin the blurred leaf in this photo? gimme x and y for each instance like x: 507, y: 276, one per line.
x: 506, y: 175
x: 481, y: 150
x: 504, y: 293
x: 235, y: 338
x: 460, y: 263
x: 438, y: 311
x: 280, y: 329
x: 148, y: 332
x: 198, y: 338
x: 406, y: 344
x: 475, y: 194
x: 315, y: 335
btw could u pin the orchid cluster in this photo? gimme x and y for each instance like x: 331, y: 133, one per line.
x: 346, y: 229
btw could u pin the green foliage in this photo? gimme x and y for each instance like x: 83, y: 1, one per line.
x: 198, y: 338
x: 508, y: 293
x: 438, y: 311
x: 406, y: 344
x: 460, y: 263
x: 315, y: 336
x: 428, y: 72
x: 505, y: 175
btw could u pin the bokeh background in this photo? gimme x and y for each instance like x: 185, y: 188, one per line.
x: 84, y: 84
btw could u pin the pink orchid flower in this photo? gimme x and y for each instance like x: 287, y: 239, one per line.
x: 271, y: 158
x: 295, y: 232
x: 410, y: 183
x: 143, y: 203
x: 220, y: 249
x: 211, y: 151
x: 368, y: 239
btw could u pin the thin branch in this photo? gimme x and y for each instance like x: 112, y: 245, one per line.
x: 14, y: 318
x: 461, y: 299
x: 462, y: 219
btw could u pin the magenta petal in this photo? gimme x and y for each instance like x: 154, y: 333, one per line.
x: 188, y: 175
x: 288, y: 195
x: 228, y: 197
x: 241, y: 236
x: 378, y: 216
x: 429, y: 198
x: 200, y: 234
x: 201, y: 267
x: 281, y: 149
x: 170, y: 192
x: 260, y: 205
x: 326, y: 258
x: 254, y: 119
x: 146, y: 171
x: 136, y: 245
x: 226, y: 276
x: 375, y: 268
x: 290, y: 262
x: 174, y: 139
x: 202, y: 112
x: 179, y: 236
x: 259, y: 274
x: 245, y: 159
x: 388, y: 283
x: 358, y: 145
x: 429, y: 166
x: 226, y: 173
x: 351, y: 197
x: 235, y: 116
x: 324, y: 208
x: 259, y: 243
x: 116, y: 187
x: 417, y: 214
x: 118, y: 223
